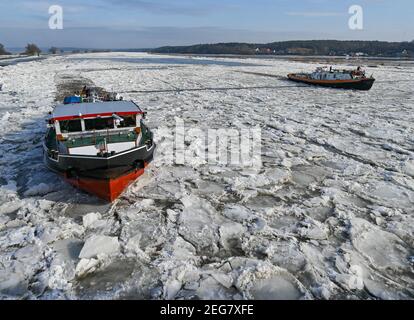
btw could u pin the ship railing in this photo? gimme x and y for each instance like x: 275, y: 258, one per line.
x: 98, y: 136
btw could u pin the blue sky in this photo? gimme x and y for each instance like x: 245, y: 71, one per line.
x: 147, y: 23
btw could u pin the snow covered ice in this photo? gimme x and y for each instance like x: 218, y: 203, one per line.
x: 329, y: 215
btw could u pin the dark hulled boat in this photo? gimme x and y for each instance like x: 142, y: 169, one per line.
x: 100, y: 147
x: 341, y: 79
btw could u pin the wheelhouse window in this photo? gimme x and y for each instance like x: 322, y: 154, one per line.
x: 68, y: 126
x: 99, y: 124
x: 128, y: 121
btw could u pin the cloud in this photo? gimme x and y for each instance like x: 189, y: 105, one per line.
x: 142, y: 37
x: 43, y: 6
x: 159, y: 7
x: 315, y: 14
x: 166, y: 8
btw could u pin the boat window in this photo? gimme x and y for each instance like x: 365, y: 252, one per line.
x: 99, y: 124
x: 67, y: 126
x: 129, y: 121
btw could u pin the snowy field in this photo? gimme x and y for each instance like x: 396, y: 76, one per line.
x: 329, y: 215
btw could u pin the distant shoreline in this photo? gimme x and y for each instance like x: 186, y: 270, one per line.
x: 306, y: 48
x: 15, y: 59
x: 275, y: 56
x: 326, y: 60
x: 369, y: 61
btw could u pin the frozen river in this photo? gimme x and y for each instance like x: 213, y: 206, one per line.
x: 329, y: 214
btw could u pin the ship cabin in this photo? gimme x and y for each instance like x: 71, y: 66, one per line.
x: 96, y: 129
x: 331, y: 75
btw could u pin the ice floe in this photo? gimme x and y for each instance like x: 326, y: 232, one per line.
x: 328, y: 215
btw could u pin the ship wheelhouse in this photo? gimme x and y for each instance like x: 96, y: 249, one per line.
x: 96, y: 129
x: 331, y: 76
x: 100, y: 147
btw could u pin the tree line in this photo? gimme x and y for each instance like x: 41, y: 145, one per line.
x: 305, y: 48
x: 31, y: 49
x: 3, y: 50
x: 308, y: 47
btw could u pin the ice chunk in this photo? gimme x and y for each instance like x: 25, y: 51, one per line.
x: 90, y: 219
x: 96, y: 245
x: 172, y: 215
x: 40, y: 190
x: 382, y: 291
x: 237, y: 213
x: 262, y: 280
x: 48, y: 232
x: 69, y: 249
x: 385, y: 250
x: 224, y: 279
x: 215, y: 288
x: 198, y: 223
x: 275, y: 288
x: 86, y: 266
x: 62, y: 267
x: 171, y: 288
x: 13, y: 284
x: 183, y: 249
x: 6, y: 115
x: 408, y: 168
x: 314, y: 231
x: 231, y: 235
x: 3, y: 221
x: 286, y: 254
x: 18, y: 236
x: 10, y: 207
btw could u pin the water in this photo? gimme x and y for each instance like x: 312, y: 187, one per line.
x: 174, y: 61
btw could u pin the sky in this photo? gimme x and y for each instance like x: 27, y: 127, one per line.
x: 148, y: 24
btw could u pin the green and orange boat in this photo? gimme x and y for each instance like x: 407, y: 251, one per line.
x: 99, y: 146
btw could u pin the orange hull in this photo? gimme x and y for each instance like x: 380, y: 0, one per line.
x: 107, y: 189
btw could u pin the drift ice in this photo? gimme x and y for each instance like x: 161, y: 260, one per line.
x: 99, y: 146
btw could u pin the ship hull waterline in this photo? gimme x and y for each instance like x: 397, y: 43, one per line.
x: 107, y: 189
x: 108, y: 180
x: 362, y: 84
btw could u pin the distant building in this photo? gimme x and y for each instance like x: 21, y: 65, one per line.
x: 300, y: 51
x: 264, y: 51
